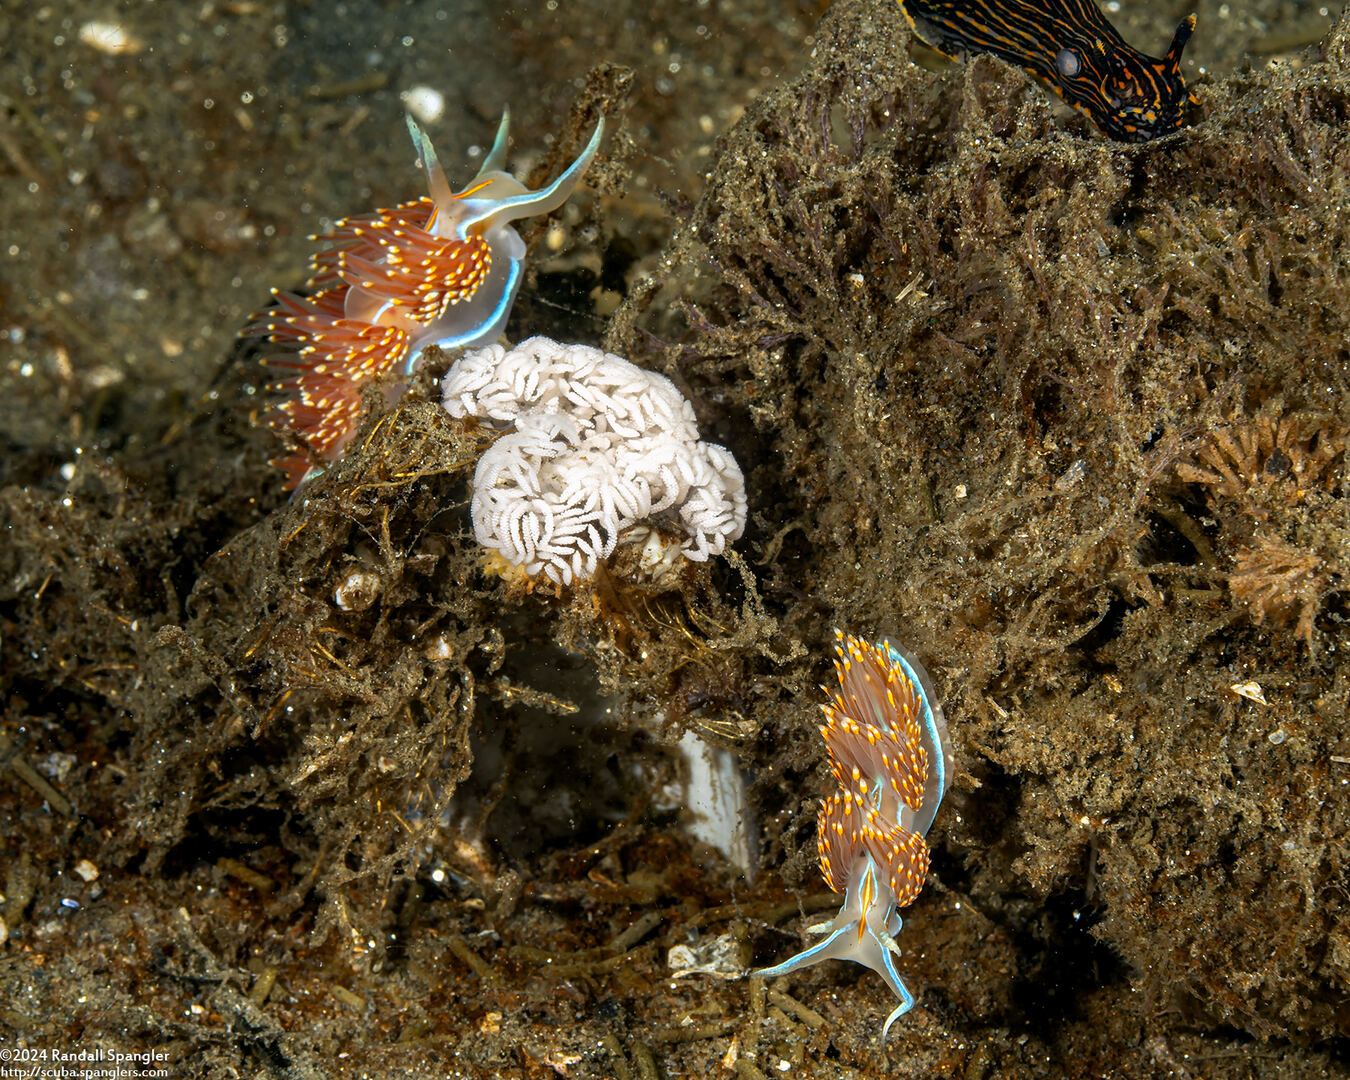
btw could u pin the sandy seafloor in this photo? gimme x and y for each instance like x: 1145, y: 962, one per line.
x: 227, y: 830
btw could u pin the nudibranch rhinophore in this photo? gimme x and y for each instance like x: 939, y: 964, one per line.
x: 1070, y: 48
x: 441, y: 270
x: 892, y: 759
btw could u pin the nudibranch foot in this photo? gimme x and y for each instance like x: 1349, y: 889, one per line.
x: 891, y: 754
x: 441, y: 270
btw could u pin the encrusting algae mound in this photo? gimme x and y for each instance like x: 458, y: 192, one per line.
x: 1067, y: 417
x: 1073, y: 415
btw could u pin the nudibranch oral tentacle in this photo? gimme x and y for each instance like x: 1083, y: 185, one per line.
x: 892, y: 758
x: 1071, y: 49
x: 442, y: 270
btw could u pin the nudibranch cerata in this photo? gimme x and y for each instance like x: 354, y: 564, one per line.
x: 441, y: 270
x: 892, y: 759
x: 1070, y: 48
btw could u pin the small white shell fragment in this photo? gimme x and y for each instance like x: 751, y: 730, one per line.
x: 4, y: 930
x: 438, y: 648
x: 1072, y: 475
x: 681, y: 958
x: 659, y: 554
x: 716, y: 797
x: 1251, y: 690
x: 111, y: 38
x: 723, y: 957
x: 359, y: 589
x: 426, y: 103
x: 86, y: 870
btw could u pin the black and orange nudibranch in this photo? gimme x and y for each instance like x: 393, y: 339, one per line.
x: 892, y: 761
x: 1070, y: 48
x: 441, y: 270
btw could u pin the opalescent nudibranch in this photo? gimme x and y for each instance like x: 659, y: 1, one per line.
x: 441, y: 270
x: 892, y: 759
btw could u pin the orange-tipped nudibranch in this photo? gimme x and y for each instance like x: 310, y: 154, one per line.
x: 441, y: 270
x: 892, y: 759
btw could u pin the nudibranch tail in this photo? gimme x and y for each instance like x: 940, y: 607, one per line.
x: 1072, y: 50
x: 891, y: 756
x: 441, y: 270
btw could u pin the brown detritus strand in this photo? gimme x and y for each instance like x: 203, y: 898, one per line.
x: 1283, y: 584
